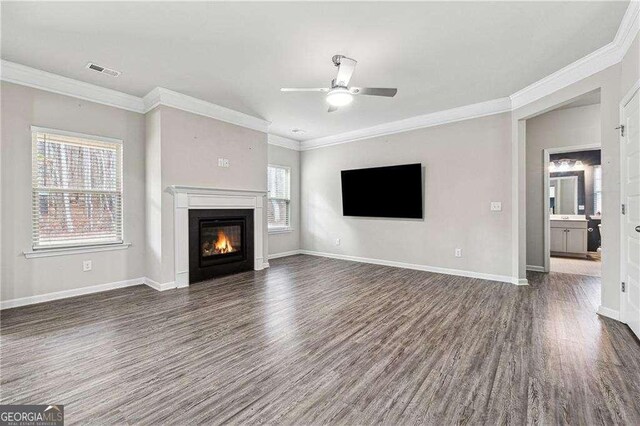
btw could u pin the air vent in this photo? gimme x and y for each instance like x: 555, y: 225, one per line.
x: 103, y: 70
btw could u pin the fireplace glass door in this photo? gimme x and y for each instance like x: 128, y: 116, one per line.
x: 221, y: 240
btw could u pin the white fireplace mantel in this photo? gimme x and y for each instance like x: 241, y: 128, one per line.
x: 196, y: 197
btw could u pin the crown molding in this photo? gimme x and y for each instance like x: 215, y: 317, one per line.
x: 594, y: 62
x: 283, y: 142
x: 166, y: 97
x: 586, y: 66
x: 12, y: 72
x: 453, y: 115
x: 629, y: 27
x: 38, y: 79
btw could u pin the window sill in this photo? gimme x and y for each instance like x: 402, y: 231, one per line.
x: 74, y: 250
x: 280, y: 230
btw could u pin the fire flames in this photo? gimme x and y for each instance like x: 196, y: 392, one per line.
x: 221, y: 246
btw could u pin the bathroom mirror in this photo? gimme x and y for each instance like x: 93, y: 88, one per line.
x: 563, y: 194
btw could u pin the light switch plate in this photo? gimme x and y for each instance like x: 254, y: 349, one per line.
x: 496, y: 206
x: 86, y: 265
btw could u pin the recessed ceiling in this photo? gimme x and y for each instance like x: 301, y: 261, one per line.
x: 238, y: 55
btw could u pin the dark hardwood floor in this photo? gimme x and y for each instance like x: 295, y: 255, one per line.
x: 314, y: 340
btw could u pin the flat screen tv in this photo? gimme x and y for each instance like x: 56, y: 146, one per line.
x: 394, y: 191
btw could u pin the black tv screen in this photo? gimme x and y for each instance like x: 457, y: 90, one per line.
x: 394, y: 191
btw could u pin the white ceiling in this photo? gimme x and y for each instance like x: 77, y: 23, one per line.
x: 238, y: 55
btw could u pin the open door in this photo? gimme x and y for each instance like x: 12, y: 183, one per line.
x: 630, y: 195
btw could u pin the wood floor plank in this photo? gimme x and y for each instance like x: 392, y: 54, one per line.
x: 315, y: 341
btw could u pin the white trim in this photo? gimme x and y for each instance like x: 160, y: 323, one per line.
x: 536, y: 268
x: 38, y: 79
x: 157, y: 286
x: 609, y: 313
x: 283, y: 142
x: 74, y: 250
x: 629, y: 27
x: 629, y: 95
x: 622, y: 315
x: 482, y: 109
x: 31, y: 300
x: 586, y: 66
x: 284, y: 254
x: 36, y: 129
x: 427, y: 268
x: 166, y: 97
x: 520, y: 281
x: 177, y: 189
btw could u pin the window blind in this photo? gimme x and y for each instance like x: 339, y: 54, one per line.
x: 278, y: 211
x: 77, y: 190
x: 597, y: 189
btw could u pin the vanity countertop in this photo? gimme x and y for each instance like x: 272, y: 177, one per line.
x: 573, y: 217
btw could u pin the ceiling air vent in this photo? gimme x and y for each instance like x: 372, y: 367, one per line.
x: 103, y: 70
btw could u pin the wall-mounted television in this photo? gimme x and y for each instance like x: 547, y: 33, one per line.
x: 393, y: 191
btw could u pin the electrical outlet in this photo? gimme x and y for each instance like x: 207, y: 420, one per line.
x: 86, y: 265
x: 225, y: 163
x: 458, y: 252
x: 496, y: 206
x: 338, y: 241
x: 220, y: 162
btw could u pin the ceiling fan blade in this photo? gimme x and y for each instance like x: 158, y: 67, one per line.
x: 332, y: 108
x: 346, y: 67
x: 310, y: 89
x: 374, y: 91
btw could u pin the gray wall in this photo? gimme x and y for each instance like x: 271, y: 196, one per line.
x: 467, y: 165
x: 190, y: 146
x: 21, y: 108
x: 564, y: 128
x: 613, y: 82
x: 282, y: 242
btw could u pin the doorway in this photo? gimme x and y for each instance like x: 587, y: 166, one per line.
x: 563, y: 188
x: 573, y: 210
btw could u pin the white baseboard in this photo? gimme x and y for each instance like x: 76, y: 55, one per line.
x: 535, y: 268
x: 427, y: 268
x: 609, y: 313
x: 284, y: 254
x: 520, y: 281
x: 265, y: 265
x: 32, y: 300
x: 157, y: 286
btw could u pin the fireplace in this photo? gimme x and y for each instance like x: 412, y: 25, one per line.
x: 220, y: 242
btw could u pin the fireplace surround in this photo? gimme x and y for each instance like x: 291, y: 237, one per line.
x: 187, y: 198
x: 220, y: 242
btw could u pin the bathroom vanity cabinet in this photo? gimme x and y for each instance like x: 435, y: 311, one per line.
x: 569, y: 236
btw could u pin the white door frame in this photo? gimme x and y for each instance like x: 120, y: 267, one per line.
x: 546, y: 153
x: 623, y: 267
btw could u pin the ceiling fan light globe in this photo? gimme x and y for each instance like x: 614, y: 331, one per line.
x: 339, y: 97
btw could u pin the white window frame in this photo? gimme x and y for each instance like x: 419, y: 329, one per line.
x: 271, y: 229
x: 81, y: 247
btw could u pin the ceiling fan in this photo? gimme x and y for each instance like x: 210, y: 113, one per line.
x: 340, y: 94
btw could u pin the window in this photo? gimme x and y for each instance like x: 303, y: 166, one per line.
x: 77, y: 189
x: 279, y: 198
x: 597, y: 190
